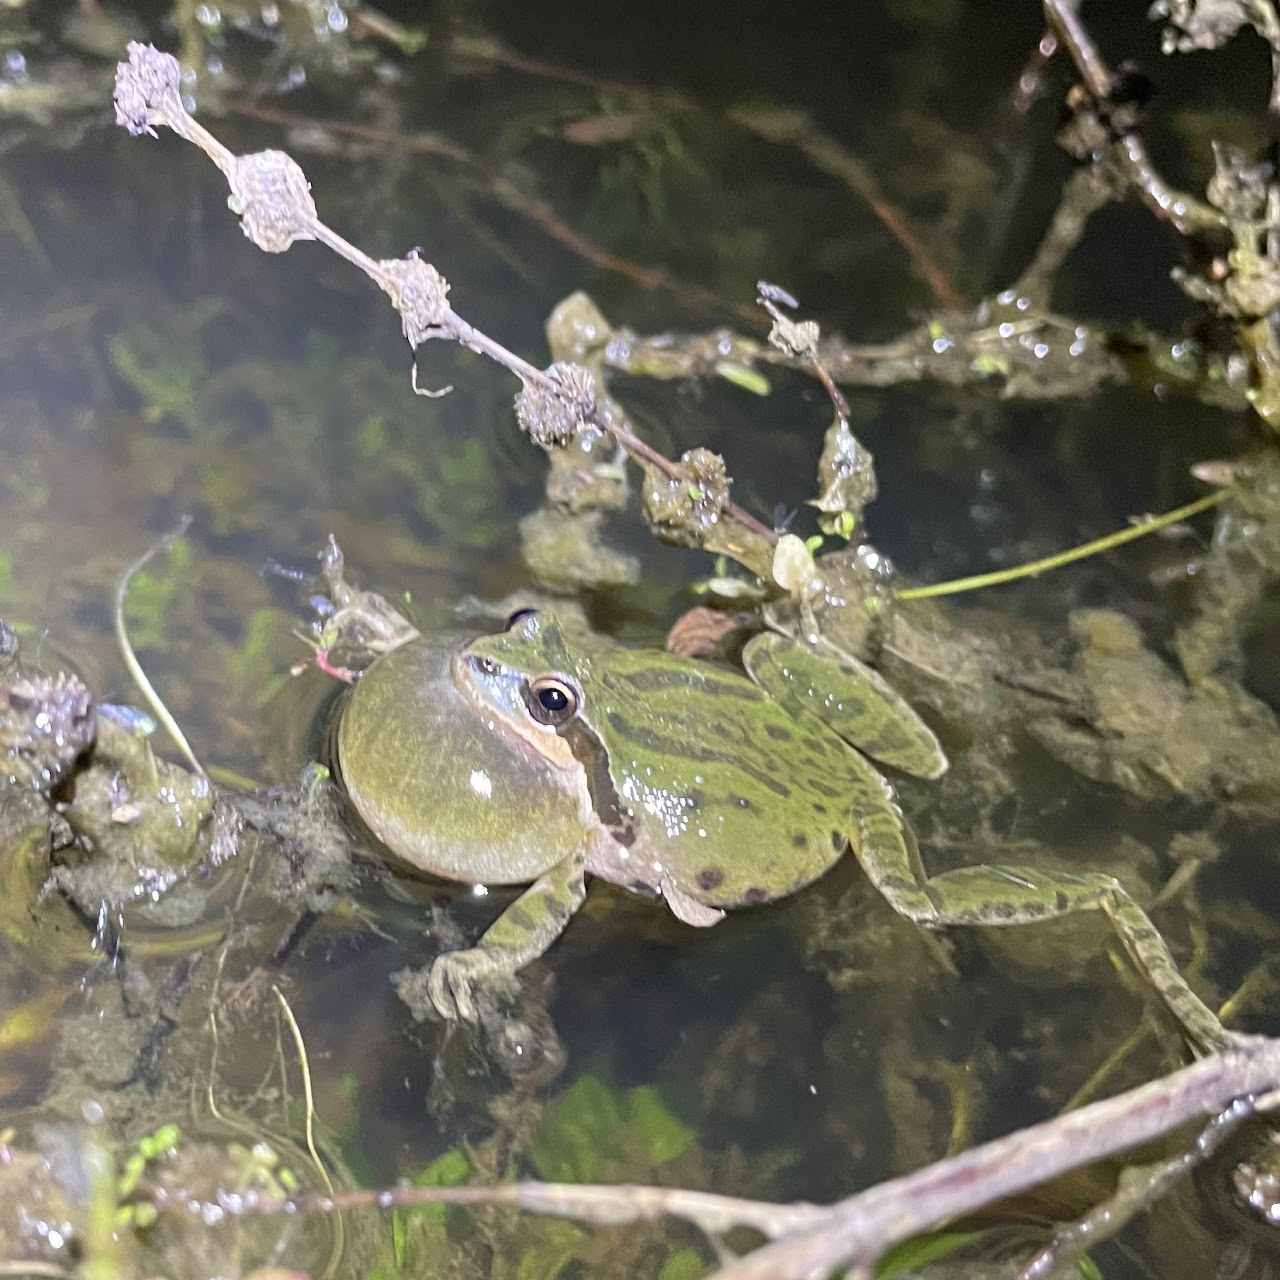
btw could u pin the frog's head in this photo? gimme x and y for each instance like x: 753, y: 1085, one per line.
x: 529, y: 676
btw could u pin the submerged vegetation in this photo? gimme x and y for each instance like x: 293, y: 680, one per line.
x: 223, y: 1046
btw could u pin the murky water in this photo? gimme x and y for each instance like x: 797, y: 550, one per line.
x: 153, y: 363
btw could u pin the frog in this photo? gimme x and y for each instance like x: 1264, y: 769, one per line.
x: 543, y: 754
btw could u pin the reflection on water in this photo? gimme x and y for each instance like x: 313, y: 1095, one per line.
x: 152, y: 363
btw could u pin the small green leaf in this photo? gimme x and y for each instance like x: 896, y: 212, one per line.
x: 166, y: 1137
x: 684, y: 1264
x: 913, y: 1254
x: 664, y: 1135
x: 398, y: 1228
x: 550, y: 1253
x: 132, y: 1171
x: 741, y: 376
x: 449, y: 1170
x: 842, y: 525
x: 590, y: 1134
x: 371, y: 436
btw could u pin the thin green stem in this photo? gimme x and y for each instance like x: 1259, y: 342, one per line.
x: 1083, y: 551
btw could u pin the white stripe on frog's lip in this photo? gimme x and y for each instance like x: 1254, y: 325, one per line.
x: 475, y: 679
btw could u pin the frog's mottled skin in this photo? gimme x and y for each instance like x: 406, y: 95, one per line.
x: 708, y: 791
x: 848, y: 696
x: 677, y: 779
x: 670, y: 777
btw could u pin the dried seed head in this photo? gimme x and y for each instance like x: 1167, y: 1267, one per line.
x: 684, y: 509
x: 147, y: 86
x: 846, y: 480
x: 273, y: 198
x: 46, y: 723
x: 419, y: 293
x: 708, y: 483
x: 554, y: 418
x: 795, y: 338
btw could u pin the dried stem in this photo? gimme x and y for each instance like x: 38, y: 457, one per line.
x: 1184, y: 213
x: 857, y: 1231
x: 518, y: 200
x: 273, y: 198
x: 809, y: 1240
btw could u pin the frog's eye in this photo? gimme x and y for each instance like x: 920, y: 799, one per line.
x: 519, y: 616
x: 552, y: 700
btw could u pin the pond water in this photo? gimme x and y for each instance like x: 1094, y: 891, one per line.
x: 154, y: 363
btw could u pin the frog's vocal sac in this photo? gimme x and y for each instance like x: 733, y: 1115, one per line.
x: 531, y: 756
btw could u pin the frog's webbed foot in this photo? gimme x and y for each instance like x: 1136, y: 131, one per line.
x: 520, y: 934
x: 460, y: 984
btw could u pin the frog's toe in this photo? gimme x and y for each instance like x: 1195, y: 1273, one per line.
x: 467, y: 986
x: 450, y: 986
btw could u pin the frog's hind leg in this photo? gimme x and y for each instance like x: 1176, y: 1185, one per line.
x: 1002, y: 895
x: 519, y: 935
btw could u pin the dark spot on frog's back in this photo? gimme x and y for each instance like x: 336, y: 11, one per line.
x: 779, y: 732
x: 799, y: 840
x: 710, y: 878
x: 754, y: 897
x: 838, y: 841
x: 740, y: 802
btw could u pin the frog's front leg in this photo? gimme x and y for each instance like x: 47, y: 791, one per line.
x: 520, y: 934
x: 1001, y: 895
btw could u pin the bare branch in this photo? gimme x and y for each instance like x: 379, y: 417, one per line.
x: 809, y: 1240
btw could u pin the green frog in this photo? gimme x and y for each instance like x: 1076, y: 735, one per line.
x: 544, y: 753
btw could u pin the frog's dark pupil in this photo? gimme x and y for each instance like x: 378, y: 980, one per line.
x: 553, y: 700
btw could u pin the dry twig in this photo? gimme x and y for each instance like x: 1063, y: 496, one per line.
x: 810, y: 1240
